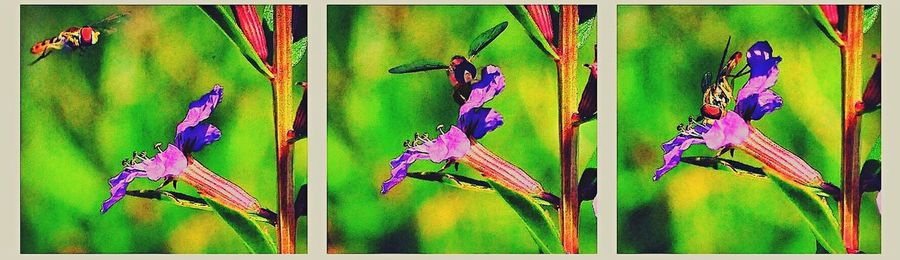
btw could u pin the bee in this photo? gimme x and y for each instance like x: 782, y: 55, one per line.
x: 461, y: 72
x: 717, y: 94
x: 75, y: 38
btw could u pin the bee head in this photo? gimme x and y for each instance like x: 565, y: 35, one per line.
x: 461, y: 71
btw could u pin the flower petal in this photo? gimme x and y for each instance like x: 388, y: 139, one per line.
x: 118, y: 186
x: 448, y: 146
x: 200, y: 109
x: 491, y: 84
x: 729, y: 130
x: 478, y: 121
x: 756, y: 98
x: 399, y: 166
x: 194, y: 138
x: 673, y: 150
x: 168, y: 163
x: 760, y: 59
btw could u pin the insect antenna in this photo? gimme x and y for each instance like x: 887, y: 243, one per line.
x: 724, y: 54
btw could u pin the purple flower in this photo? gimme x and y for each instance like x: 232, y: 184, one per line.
x: 733, y: 129
x: 756, y: 98
x: 175, y: 162
x: 459, y: 144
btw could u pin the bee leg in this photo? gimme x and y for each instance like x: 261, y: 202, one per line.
x: 444, y: 167
x: 742, y: 72
x: 447, y: 165
x: 167, y: 181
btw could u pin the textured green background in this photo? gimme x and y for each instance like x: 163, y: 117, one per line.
x: 662, y: 53
x: 371, y: 113
x: 83, y: 112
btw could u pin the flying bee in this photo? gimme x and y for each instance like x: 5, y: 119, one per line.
x: 717, y: 94
x: 460, y: 71
x: 76, y: 38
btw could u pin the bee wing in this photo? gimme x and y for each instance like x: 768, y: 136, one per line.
x: 485, y: 38
x: 417, y: 66
x: 705, y: 82
x: 108, y: 24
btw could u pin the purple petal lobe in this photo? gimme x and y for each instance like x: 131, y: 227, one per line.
x: 729, y: 130
x: 760, y: 58
x: 672, y: 153
x: 756, y: 98
x: 479, y: 121
x: 118, y: 185
x: 399, y: 167
x: 491, y: 84
x: 200, y: 109
x: 194, y: 138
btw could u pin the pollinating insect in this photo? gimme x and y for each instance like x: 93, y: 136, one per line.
x: 76, y: 38
x: 717, y: 94
x: 461, y: 71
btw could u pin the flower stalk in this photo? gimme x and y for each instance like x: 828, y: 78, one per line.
x: 568, y: 128
x: 282, y: 94
x: 851, y: 86
x: 497, y: 169
x: 213, y: 186
x: 780, y: 160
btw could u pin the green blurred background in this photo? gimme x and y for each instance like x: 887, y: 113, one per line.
x: 371, y: 113
x: 83, y: 112
x: 662, y: 53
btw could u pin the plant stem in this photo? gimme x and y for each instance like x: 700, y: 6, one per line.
x: 851, y: 85
x: 566, y: 67
x: 281, y: 90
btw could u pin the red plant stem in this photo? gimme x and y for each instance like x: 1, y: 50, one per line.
x: 851, y: 85
x: 566, y: 67
x: 281, y: 90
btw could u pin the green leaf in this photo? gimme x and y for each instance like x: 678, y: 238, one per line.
x: 584, y: 29
x: 452, y: 180
x: 534, y: 33
x: 485, y: 38
x: 816, y: 213
x: 715, y: 162
x: 875, y: 153
x: 587, y: 183
x: 301, y: 202
x: 222, y: 16
x: 417, y: 66
x: 870, y: 174
x: 254, y: 237
x: 870, y: 15
x: 298, y: 49
x: 268, y: 16
x: 822, y: 22
x: 537, y: 220
x: 183, y: 200
x: 462, y: 182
